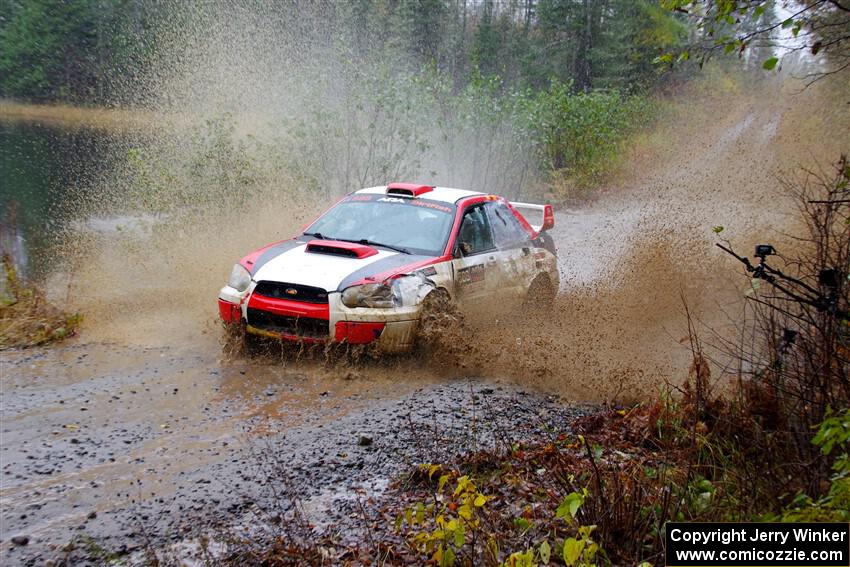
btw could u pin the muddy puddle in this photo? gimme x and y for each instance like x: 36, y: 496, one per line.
x: 89, y: 429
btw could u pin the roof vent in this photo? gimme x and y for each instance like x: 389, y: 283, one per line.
x: 408, y: 189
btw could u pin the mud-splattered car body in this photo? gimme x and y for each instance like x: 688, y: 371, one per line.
x: 360, y: 272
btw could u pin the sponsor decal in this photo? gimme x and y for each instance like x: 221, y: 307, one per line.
x: 431, y: 205
x: 411, y: 202
x: 472, y: 274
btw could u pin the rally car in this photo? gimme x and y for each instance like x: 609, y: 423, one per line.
x: 364, y: 270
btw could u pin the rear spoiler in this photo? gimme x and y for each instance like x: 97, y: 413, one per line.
x: 541, y: 217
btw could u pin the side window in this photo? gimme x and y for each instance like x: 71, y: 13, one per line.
x: 508, y: 231
x: 475, y: 235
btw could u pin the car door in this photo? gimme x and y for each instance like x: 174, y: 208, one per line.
x: 514, y: 251
x: 475, y: 263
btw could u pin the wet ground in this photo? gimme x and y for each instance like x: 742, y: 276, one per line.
x: 151, y: 437
x: 131, y: 446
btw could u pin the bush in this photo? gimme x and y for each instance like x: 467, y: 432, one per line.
x: 579, y: 136
x: 833, y: 436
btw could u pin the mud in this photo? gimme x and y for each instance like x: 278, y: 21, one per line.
x: 140, y: 430
x: 129, y: 447
x: 634, y: 259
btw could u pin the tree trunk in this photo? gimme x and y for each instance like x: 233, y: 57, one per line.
x: 584, y: 71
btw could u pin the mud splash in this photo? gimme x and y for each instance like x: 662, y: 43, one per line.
x: 257, y: 124
x: 159, y: 287
x: 632, y: 261
x: 197, y: 193
x: 145, y: 399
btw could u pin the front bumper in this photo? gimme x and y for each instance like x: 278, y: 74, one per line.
x: 392, y: 330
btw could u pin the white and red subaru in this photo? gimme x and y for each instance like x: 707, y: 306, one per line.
x: 361, y: 272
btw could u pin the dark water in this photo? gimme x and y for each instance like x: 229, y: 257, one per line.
x: 44, y: 170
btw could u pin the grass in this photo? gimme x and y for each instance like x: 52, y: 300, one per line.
x: 26, y: 317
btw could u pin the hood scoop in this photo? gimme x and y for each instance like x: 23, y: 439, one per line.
x: 339, y: 248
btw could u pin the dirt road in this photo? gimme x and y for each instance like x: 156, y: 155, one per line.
x: 120, y: 443
x: 126, y: 445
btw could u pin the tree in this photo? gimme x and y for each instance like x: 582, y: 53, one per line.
x: 601, y: 43
x: 813, y: 26
x: 635, y: 33
x: 50, y: 49
x: 97, y: 51
x: 44, y: 49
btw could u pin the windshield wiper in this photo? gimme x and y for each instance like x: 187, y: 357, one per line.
x: 318, y: 235
x: 368, y: 242
x: 396, y: 248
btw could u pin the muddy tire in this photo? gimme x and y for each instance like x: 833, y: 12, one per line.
x: 440, y: 323
x: 540, y: 295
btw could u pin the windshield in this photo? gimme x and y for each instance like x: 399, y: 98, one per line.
x: 418, y: 226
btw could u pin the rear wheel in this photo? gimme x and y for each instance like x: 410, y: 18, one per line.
x: 541, y: 294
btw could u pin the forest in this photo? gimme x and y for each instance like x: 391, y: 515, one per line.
x: 146, y: 145
x: 89, y: 51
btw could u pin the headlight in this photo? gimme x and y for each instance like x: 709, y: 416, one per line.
x: 240, y: 279
x: 376, y: 295
x: 402, y: 291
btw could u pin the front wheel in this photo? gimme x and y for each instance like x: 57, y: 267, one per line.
x: 440, y: 323
x: 237, y: 342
